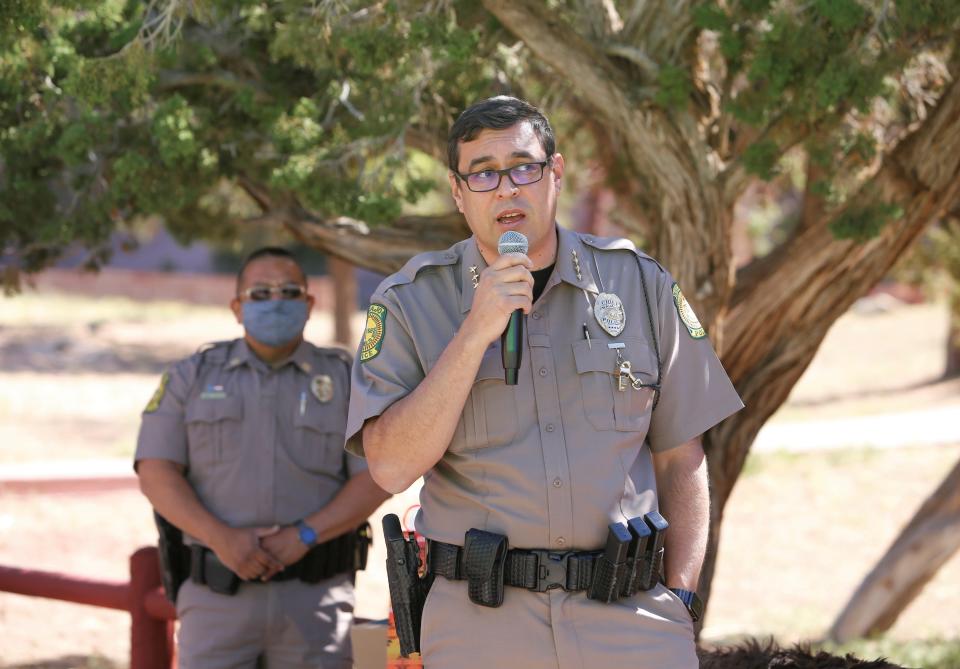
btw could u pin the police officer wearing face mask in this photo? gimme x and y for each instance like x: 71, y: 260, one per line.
x: 241, y: 449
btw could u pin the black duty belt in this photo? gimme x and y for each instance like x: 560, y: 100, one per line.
x: 346, y: 553
x: 538, y: 570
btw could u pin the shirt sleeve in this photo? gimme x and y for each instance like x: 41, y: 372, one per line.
x: 695, y: 391
x: 163, y: 434
x: 385, y: 369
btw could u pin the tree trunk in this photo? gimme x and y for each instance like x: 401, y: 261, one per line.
x: 344, y: 299
x: 786, y: 302
x: 930, y: 538
x: 953, y: 344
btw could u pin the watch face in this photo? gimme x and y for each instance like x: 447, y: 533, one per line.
x: 307, y: 535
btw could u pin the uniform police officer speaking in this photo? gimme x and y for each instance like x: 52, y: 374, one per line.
x: 241, y: 448
x: 537, y: 495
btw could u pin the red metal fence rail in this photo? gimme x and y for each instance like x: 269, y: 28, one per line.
x: 152, y: 615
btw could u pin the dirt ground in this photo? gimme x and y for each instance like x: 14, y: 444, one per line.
x: 800, y: 531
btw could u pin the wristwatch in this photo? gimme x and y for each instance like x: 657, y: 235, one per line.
x: 691, y: 600
x: 307, y: 534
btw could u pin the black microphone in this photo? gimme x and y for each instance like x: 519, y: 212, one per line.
x: 511, y: 341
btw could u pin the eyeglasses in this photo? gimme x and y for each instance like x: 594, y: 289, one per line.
x: 288, y: 291
x: 519, y: 175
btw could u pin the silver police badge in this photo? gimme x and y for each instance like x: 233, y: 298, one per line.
x: 608, y: 310
x: 322, y: 388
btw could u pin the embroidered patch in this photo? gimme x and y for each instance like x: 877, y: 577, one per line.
x: 322, y: 388
x: 689, y: 318
x: 374, y: 332
x: 158, y: 394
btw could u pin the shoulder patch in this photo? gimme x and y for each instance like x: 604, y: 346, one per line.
x: 374, y: 332
x: 158, y: 394
x: 685, y: 311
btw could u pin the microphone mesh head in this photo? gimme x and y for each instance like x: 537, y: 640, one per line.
x: 512, y: 241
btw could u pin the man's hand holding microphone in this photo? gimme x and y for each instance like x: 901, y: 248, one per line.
x: 503, y: 296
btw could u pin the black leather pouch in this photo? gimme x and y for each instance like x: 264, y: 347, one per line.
x: 218, y: 576
x: 484, y: 557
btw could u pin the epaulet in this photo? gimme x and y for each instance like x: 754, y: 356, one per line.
x: 616, y: 244
x: 336, y: 352
x: 215, y: 351
x: 421, y: 261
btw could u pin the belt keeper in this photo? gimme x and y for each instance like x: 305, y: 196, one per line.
x: 484, y: 557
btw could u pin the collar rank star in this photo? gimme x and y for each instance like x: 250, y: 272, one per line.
x: 608, y: 310
x: 322, y: 388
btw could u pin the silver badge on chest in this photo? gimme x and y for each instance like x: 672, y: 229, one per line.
x: 322, y: 388
x: 608, y: 310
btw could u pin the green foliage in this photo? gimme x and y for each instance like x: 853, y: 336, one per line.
x: 322, y: 103
x: 674, y: 87
x: 810, y: 64
x: 120, y: 82
x: 311, y: 100
x: 761, y: 159
x: 863, y: 223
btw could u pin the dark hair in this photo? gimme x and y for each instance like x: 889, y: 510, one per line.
x: 497, y: 113
x: 269, y: 252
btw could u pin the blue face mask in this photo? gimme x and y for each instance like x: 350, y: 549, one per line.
x: 275, y: 322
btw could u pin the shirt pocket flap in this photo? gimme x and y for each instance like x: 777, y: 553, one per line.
x: 600, y: 358
x: 597, y: 358
x: 214, y: 410
x: 319, y: 418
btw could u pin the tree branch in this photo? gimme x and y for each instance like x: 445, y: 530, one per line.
x: 780, y: 315
x: 383, y: 249
x: 552, y: 39
x: 173, y: 79
x: 663, y: 149
x: 427, y: 140
x: 257, y: 192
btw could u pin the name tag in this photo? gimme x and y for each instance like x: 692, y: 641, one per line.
x: 213, y: 392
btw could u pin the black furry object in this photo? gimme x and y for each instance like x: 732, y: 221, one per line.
x: 752, y: 654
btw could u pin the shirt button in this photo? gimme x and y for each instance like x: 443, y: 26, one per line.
x: 543, y: 371
x: 536, y: 315
x: 561, y: 541
x: 549, y: 427
x: 557, y: 483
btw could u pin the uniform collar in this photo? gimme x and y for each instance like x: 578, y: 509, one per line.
x: 471, y: 264
x: 240, y: 353
x: 571, y: 254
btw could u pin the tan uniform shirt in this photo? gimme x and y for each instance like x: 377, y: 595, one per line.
x: 262, y: 446
x: 259, y: 445
x: 551, y: 461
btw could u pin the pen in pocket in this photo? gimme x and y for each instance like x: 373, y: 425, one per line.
x: 303, y: 401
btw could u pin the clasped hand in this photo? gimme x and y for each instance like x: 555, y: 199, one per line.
x: 259, y: 553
